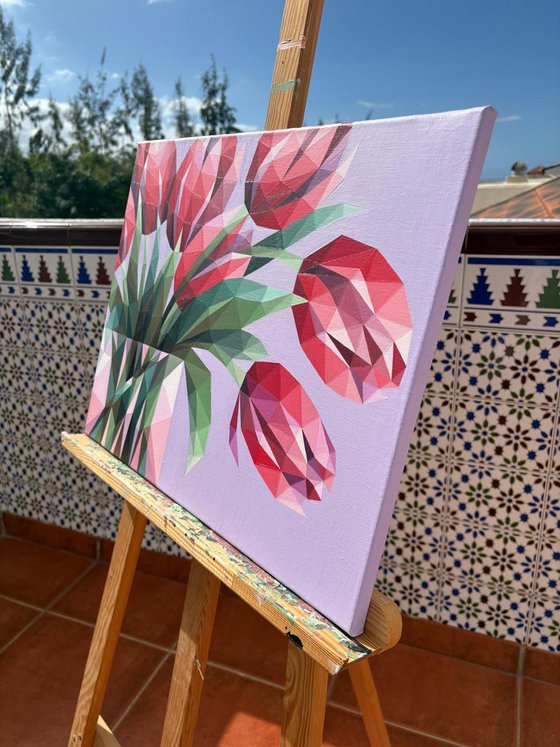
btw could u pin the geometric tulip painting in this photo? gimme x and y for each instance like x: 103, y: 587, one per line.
x: 275, y: 307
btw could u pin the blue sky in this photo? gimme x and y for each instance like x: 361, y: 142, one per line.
x: 397, y: 56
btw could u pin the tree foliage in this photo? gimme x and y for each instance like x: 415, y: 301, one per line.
x: 18, y: 84
x: 145, y: 105
x: 77, y: 159
x: 184, y: 126
x: 218, y: 117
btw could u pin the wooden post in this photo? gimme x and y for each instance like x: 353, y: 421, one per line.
x: 191, y: 657
x: 368, y: 701
x: 305, y: 696
x: 305, y: 700
x: 108, y: 626
x: 293, y: 65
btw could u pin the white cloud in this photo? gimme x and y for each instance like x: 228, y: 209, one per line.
x: 14, y: 3
x: 193, y: 105
x: 246, y: 127
x: 62, y: 75
x: 510, y: 118
x: 375, y: 104
x: 153, y: 2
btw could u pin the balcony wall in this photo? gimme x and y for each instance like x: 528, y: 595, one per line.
x: 474, y: 539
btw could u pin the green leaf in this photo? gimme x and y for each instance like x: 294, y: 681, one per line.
x: 199, y: 399
x: 262, y: 255
x: 228, y: 344
x: 281, y: 240
x: 231, y: 304
x: 206, y: 254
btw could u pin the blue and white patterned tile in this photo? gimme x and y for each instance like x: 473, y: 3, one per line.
x: 53, y: 325
x: 544, y: 628
x: 453, y: 310
x: 506, y: 431
x: 92, y: 320
x: 442, y: 373
x: 510, y: 364
x: 45, y: 272
x: 495, y: 610
x: 512, y: 292
x: 506, y: 500
x: 413, y: 586
x: 93, y: 268
x: 14, y: 322
x: 8, y: 268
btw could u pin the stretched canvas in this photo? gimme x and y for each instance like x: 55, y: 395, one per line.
x: 275, y: 307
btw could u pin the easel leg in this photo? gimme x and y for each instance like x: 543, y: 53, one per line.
x: 190, y: 660
x: 305, y: 700
x: 108, y: 626
x: 368, y: 701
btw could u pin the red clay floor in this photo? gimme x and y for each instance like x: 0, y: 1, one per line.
x: 48, y: 603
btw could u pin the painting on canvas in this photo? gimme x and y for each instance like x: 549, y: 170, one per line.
x: 276, y: 302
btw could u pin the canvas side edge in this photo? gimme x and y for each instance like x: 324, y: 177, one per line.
x: 481, y: 139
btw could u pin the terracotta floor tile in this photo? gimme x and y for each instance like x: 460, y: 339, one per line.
x: 404, y: 738
x: 60, y: 538
x: 344, y: 729
x: 151, y: 561
x: 35, y: 573
x: 234, y: 711
x: 540, y: 714
x: 542, y: 665
x: 153, y: 611
x: 40, y: 676
x: 461, y: 644
x: 13, y: 617
x: 243, y: 640
x: 448, y: 698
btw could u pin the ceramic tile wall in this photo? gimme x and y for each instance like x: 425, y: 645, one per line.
x: 474, y: 539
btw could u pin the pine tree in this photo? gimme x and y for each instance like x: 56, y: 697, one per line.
x: 83, y: 274
x: 217, y: 116
x: 124, y: 116
x: 61, y: 272
x: 515, y: 292
x: 26, y: 274
x: 90, y: 114
x: 18, y: 85
x: 57, y: 141
x: 146, y: 105
x: 44, y: 274
x: 102, y: 278
x: 550, y: 296
x: 7, y: 274
x: 480, y: 293
x: 181, y: 118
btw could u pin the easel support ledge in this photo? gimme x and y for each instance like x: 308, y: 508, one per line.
x: 318, y: 637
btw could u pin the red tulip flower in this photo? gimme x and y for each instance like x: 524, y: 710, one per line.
x: 127, y: 233
x: 201, y: 190
x: 355, y: 327
x: 152, y: 177
x: 229, y: 259
x: 293, y: 172
x: 285, y: 436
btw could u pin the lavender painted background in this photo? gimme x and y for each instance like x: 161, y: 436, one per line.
x: 416, y: 178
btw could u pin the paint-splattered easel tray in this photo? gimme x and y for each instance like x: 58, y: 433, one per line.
x: 323, y: 641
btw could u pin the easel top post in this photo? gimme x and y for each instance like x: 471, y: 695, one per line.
x: 294, y: 62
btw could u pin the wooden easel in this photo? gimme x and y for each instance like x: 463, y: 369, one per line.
x: 318, y: 649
